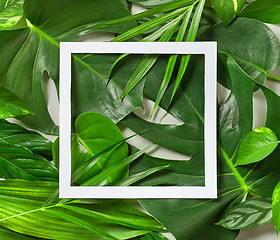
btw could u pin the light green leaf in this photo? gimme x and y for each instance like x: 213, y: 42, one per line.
x: 227, y: 9
x: 11, y: 12
x: 263, y: 10
x: 251, y: 213
x: 256, y: 146
x: 276, y: 207
x: 10, y: 105
x: 153, y: 236
x: 21, y: 211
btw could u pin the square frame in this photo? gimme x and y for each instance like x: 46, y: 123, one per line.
x: 209, y: 49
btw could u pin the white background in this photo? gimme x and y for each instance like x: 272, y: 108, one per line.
x: 260, y: 233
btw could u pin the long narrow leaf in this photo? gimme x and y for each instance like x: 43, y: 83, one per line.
x: 121, y: 218
x: 148, y: 25
x: 80, y: 223
x: 138, y: 176
x: 149, y: 60
x: 103, y: 178
x: 160, y: 9
x: 172, y: 61
x: 150, y: 38
x: 190, y: 38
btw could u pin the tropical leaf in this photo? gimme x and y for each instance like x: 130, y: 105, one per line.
x: 263, y: 10
x: 11, y: 12
x: 228, y: 10
x: 20, y: 163
x: 10, y: 105
x: 32, y: 52
x: 251, y: 213
x: 25, y: 214
x: 151, y: 3
x: 276, y: 207
x: 35, y: 142
x: 238, y: 39
x: 256, y: 146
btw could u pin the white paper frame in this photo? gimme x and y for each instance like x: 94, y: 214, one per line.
x: 209, y: 50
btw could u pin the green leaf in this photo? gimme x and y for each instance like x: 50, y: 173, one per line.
x: 10, y: 105
x: 33, y: 52
x: 10, y: 235
x: 95, y: 133
x: 11, y: 12
x: 19, y: 162
x: 153, y: 236
x: 256, y: 146
x: 227, y: 9
x: 35, y: 142
x: 21, y: 211
x: 263, y: 10
x: 151, y: 3
x: 276, y: 207
x: 251, y: 213
x: 239, y: 39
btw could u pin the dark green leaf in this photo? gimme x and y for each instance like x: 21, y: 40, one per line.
x: 263, y: 10
x: 10, y: 105
x: 276, y: 207
x: 251, y: 213
x: 153, y: 236
x: 15, y: 134
x: 256, y: 146
x: 11, y: 12
x: 246, y: 41
x: 19, y: 162
x: 33, y: 52
x: 227, y: 9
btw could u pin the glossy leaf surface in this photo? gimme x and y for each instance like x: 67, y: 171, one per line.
x: 20, y: 163
x: 10, y: 105
x: 276, y: 207
x: 227, y: 9
x: 11, y: 12
x: 263, y: 10
x: 21, y: 210
x: 256, y: 146
x: 252, y: 213
x: 15, y: 134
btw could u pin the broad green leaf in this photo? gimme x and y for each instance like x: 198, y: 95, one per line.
x: 228, y: 9
x: 33, y: 52
x: 276, y: 207
x: 10, y: 105
x: 95, y: 133
x: 188, y: 139
x: 11, y: 12
x: 20, y: 163
x: 263, y: 10
x: 15, y: 134
x: 251, y: 213
x: 247, y: 46
x: 25, y: 214
x: 256, y: 146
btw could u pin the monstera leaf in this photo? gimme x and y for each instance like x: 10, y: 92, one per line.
x: 234, y: 182
x: 33, y: 52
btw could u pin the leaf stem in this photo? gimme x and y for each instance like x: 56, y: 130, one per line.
x: 233, y: 169
x: 272, y: 76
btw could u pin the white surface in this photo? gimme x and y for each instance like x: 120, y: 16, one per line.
x: 209, y: 49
